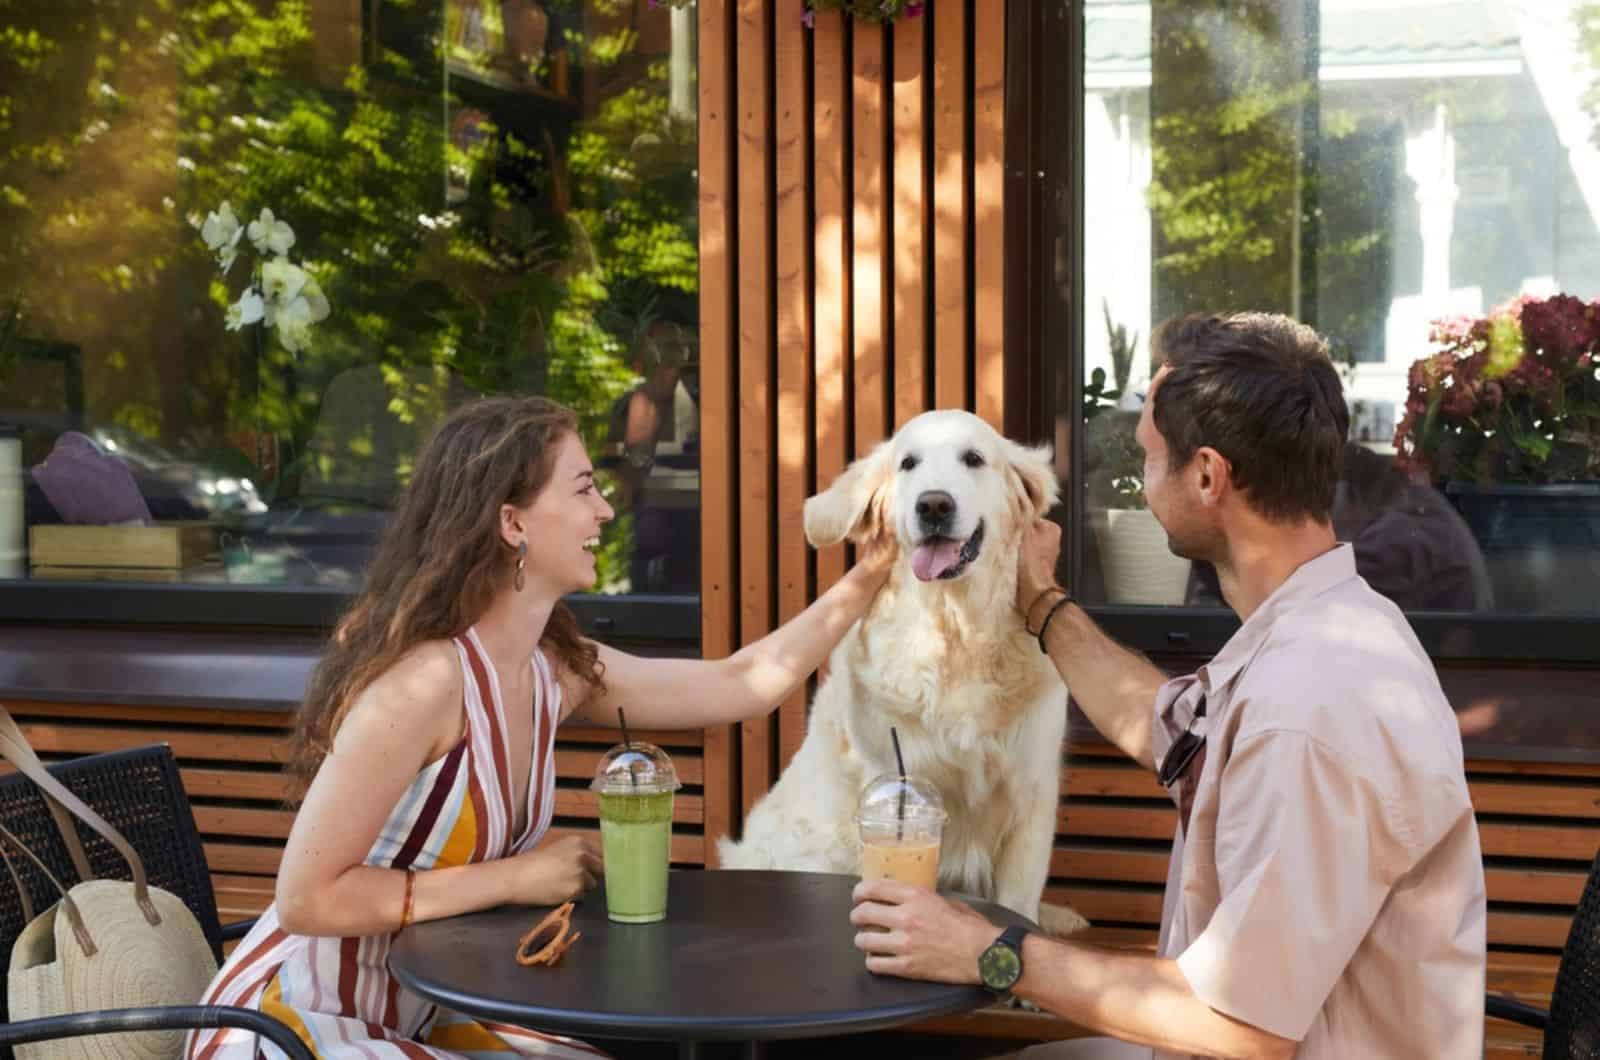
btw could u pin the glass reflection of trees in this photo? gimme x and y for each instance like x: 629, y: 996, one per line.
x: 471, y: 233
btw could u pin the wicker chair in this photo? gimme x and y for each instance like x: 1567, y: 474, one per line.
x: 139, y: 793
x: 1572, y: 1026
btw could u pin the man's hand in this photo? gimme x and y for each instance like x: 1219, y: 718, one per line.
x: 1036, y: 562
x: 924, y: 936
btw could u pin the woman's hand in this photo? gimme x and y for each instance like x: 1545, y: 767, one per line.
x: 875, y: 558
x: 1036, y: 563
x: 555, y: 870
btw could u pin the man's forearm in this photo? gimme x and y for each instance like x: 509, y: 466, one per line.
x: 1115, y: 687
x: 1137, y: 998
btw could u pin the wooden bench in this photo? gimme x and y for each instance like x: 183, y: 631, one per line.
x: 1539, y: 823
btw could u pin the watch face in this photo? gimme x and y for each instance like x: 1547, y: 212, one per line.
x: 1000, y: 967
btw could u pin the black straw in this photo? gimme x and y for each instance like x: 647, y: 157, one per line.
x: 900, y: 821
x: 627, y: 743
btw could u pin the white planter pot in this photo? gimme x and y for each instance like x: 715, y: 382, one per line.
x: 1134, y: 558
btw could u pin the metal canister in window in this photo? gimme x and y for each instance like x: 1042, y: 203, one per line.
x: 11, y: 554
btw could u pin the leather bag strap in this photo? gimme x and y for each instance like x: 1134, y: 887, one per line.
x: 79, y: 930
x: 16, y: 878
x: 19, y: 747
x: 15, y: 750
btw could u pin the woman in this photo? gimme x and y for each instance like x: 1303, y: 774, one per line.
x: 427, y: 735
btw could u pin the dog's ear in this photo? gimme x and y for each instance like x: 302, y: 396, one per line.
x: 854, y: 505
x: 1035, y: 473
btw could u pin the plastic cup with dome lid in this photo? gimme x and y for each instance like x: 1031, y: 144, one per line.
x: 635, y: 782
x: 901, y: 820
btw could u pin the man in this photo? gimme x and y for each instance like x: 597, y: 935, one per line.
x: 1326, y: 896
x: 655, y: 450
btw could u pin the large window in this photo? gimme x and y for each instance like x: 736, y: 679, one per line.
x: 1418, y: 179
x: 252, y: 251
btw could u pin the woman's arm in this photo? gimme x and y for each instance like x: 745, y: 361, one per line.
x: 695, y: 693
x: 407, y: 718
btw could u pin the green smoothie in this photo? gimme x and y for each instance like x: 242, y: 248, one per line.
x: 636, y: 836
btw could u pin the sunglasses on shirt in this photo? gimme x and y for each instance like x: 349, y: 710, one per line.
x: 1176, y: 761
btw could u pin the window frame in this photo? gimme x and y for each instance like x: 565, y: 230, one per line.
x: 1037, y: 322
x: 673, y: 618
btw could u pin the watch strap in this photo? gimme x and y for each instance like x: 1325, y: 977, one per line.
x: 1013, y: 936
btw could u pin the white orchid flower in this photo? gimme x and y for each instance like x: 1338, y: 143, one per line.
x: 270, y: 235
x: 285, y: 296
x: 315, y: 300
x: 294, y: 325
x: 221, y: 233
x: 250, y: 308
x: 219, y: 227
x: 282, y: 281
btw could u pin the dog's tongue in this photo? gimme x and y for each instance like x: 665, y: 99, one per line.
x: 932, y: 559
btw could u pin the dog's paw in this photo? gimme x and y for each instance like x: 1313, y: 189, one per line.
x: 1013, y: 1001
x: 1060, y: 920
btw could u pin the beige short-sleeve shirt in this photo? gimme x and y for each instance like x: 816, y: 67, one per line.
x: 1330, y: 889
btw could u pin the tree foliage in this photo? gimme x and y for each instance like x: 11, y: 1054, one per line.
x: 495, y: 261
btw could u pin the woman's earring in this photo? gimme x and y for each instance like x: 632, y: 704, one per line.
x: 522, y: 559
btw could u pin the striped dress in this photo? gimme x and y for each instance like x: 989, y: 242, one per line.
x: 337, y: 993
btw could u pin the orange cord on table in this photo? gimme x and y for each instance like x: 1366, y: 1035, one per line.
x: 549, y: 938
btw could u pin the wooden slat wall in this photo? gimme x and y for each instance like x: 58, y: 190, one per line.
x: 719, y: 510
x: 859, y: 233
x: 796, y: 382
x: 231, y: 764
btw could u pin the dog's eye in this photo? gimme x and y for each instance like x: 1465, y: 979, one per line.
x: 972, y: 458
x: 908, y: 464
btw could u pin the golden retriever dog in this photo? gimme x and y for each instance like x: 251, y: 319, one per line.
x: 942, y: 656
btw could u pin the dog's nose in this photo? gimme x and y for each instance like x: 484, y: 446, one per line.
x: 935, y: 507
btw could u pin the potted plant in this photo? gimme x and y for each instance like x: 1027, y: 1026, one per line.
x: 1504, y: 417
x: 1135, y: 562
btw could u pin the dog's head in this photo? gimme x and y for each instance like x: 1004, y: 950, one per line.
x: 946, y: 485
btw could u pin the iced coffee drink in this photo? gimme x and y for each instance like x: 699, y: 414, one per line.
x: 635, y: 785
x: 901, y: 822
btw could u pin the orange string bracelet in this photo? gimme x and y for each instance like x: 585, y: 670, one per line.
x: 405, y: 905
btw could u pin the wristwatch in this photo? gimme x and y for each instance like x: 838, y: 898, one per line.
x: 1000, y: 966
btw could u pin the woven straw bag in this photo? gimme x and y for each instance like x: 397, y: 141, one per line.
x: 107, y: 944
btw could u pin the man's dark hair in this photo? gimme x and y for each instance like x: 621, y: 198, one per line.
x: 1260, y: 389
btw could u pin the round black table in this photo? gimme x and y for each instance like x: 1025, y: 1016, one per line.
x: 742, y: 956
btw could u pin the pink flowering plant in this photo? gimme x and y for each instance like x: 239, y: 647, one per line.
x: 1512, y: 396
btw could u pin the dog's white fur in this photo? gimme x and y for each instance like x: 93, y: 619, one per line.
x: 979, y: 710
